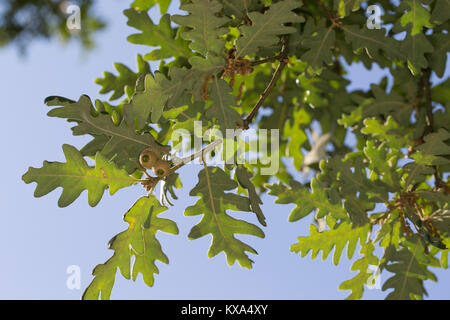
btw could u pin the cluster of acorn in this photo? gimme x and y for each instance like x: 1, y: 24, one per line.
x: 151, y: 160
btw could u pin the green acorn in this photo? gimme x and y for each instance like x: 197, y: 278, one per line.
x: 148, y: 159
x: 161, y: 168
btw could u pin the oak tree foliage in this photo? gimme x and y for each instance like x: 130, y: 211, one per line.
x: 377, y: 161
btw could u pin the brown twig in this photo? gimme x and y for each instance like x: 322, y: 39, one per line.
x: 420, y: 91
x: 283, y: 62
x: 444, y: 187
x: 424, y: 89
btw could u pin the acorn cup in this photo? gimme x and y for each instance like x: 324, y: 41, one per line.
x: 161, y: 168
x: 148, y: 159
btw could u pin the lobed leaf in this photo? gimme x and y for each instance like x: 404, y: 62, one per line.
x: 163, y: 36
x: 222, y: 108
x: 243, y: 176
x: 138, y: 241
x: 320, y: 42
x: 415, y: 48
x: 161, y: 93
x: 213, y: 205
x: 126, y: 78
x: 409, y: 271
x: 307, y: 201
x: 345, y: 7
x: 123, y: 146
x: 441, y: 12
x: 337, y: 237
x: 416, y: 15
x: 206, y: 28
x: 265, y: 28
x: 75, y: 176
x: 438, y: 59
x: 356, y: 284
x: 144, y: 5
x: 373, y: 41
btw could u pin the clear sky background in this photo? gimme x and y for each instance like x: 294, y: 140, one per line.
x: 38, y: 240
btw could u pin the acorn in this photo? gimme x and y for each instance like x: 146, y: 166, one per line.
x: 161, y: 168
x: 148, y: 159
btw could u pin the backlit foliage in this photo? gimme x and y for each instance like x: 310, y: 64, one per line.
x: 377, y: 161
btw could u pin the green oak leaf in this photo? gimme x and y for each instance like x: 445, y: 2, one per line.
x: 205, y: 26
x: 171, y: 182
x: 416, y: 15
x: 138, y: 241
x: 416, y: 173
x: 436, y: 196
x: 438, y: 58
x: 150, y: 101
x: 95, y: 145
x: 161, y: 92
x: 320, y: 42
x: 373, y: 41
x: 337, y: 237
x: 213, y: 205
x: 353, y: 180
x: 265, y: 28
x: 243, y: 177
x: 345, y: 7
x: 123, y: 146
x: 75, y: 176
x: 435, y: 143
x: 415, y: 48
x: 222, y: 105
x: 126, y: 77
x: 357, y: 283
x: 442, y: 117
x: 187, y: 115
x: 307, y: 201
x: 431, y: 152
x: 163, y: 36
x: 386, y: 104
x: 409, y: 272
x: 386, y: 131
x: 441, y: 11
x: 389, y: 233
x: 295, y: 135
x: 381, y: 163
x: 144, y: 5
x: 238, y: 8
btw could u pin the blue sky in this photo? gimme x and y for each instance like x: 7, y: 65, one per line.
x: 39, y: 241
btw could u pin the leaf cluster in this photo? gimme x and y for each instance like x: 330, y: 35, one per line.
x: 374, y: 164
